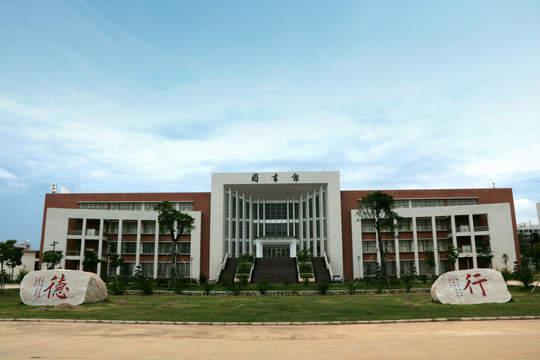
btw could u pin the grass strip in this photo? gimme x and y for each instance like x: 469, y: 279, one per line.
x: 271, y: 308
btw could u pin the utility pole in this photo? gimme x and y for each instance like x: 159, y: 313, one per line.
x: 54, y: 245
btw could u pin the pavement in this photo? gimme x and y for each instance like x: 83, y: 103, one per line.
x: 448, y: 340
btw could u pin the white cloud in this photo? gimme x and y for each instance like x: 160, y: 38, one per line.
x: 4, y: 174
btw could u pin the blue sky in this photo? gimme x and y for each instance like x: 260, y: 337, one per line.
x: 151, y: 96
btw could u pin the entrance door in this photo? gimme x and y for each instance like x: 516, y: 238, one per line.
x: 276, y: 252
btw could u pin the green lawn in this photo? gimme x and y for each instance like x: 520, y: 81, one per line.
x: 272, y: 308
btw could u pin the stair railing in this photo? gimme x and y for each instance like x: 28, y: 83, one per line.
x: 222, y: 266
x: 328, y: 266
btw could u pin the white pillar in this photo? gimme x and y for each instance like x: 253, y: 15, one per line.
x: 156, y: 249
x: 454, y: 239
x: 138, y: 246
x: 473, y: 241
x: 435, y: 249
x: 100, y: 245
x: 415, y: 245
x: 119, y: 243
x: 83, y: 244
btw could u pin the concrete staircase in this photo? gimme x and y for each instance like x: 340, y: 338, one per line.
x: 230, y: 269
x: 275, y: 270
x: 320, y: 270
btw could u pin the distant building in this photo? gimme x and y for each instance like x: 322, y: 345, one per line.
x: 275, y: 215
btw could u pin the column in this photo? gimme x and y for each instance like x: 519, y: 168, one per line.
x: 119, y: 244
x: 229, y: 231
x: 396, y: 245
x: 138, y: 250
x: 301, y: 223
x: 473, y: 241
x: 314, y: 223
x: 454, y: 239
x: 100, y: 245
x: 308, y: 233
x: 156, y: 250
x: 237, y: 228
x: 435, y: 243
x: 415, y: 245
x: 83, y: 244
x: 321, y: 219
x: 250, y: 222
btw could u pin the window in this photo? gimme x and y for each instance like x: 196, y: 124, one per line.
x: 129, y: 228
x: 149, y: 227
x: 423, y: 225
x: 184, y: 247
x: 401, y: 203
x: 147, y: 269
x: 442, y: 244
x: 182, y: 269
x: 441, y: 224
x: 148, y: 247
x: 127, y: 269
x: 367, y: 225
x: 390, y: 246
x: 164, y: 247
x: 100, y: 206
x: 407, y: 267
x: 185, y: 206
x: 129, y: 247
x: 370, y: 268
x: 406, y: 246
x: 126, y: 206
x: 369, y: 246
x: 425, y: 269
x: 427, y: 202
x: 405, y: 224
x: 425, y: 245
x: 113, y: 248
x: 113, y: 227
x: 458, y: 202
x: 149, y: 206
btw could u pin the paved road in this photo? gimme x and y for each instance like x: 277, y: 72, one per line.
x: 491, y: 340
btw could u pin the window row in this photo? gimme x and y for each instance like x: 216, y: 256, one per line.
x: 136, y: 206
x: 405, y: 246
x: 407, y: 267
x: 406, y: 225
x: 416, y: 203
x: 164, y: 248
x: 147, y: 269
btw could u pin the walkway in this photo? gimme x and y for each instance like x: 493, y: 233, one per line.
x: 431, y: 340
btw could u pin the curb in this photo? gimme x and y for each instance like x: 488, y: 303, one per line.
x: 360, y: 322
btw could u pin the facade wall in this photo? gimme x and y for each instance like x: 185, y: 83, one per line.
x: 339, y: 233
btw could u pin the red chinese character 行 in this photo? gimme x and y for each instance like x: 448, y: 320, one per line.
x: 58, y: 289
x: 479, y: 283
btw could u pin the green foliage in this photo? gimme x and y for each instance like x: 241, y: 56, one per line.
x: 203, y: 279
x: 116, y: 261
x: 177, y: 224
x: 263, y: 286
x: 10, y: 255
x: 323, y: 287
x: 451, y: 254
x: 146, y: 284
x: 378, y: 208
x: 52, y: 258
x: 243, y: 279
x: 91, y: 259
x: 524, y: 275
x: 286, y: 281
x: 351, y: 286
x: 507, y: 274
x: 20, y: 276
x: 234, y: 287
x: 430, y: 258
x: 303, y: 256
x: 118, y: 285
x: 208, y: 288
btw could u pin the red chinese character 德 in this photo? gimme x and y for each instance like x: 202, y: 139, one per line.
x: 58, y: 289
x: 479, y: 282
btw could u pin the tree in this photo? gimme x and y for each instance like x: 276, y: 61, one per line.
x: 52, y: 258
x: 378, y: 208
x: 116, y: 261
x: 91, y: 259
x: 176, y: 224
x: 430, y: 258
x: 505, y: 260
x: 15, y: 259
x: 451, y: 254
x: 7, y: 255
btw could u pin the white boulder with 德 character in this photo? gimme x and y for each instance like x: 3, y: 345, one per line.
x: 55, y: 287
x: 473, y: 286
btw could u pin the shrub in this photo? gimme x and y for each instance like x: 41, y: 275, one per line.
x: 208, y: 288
x: 22, y: 273
x: 323, y: 286
x: 524, y: 275
x: 118, y: 285
x: 263, y: 286
x: 146, y: 284
x: 286, y: 281
x: 351, y: 285
x: 234, y: 287
x: 203, y: 279
x: 507, y: 274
